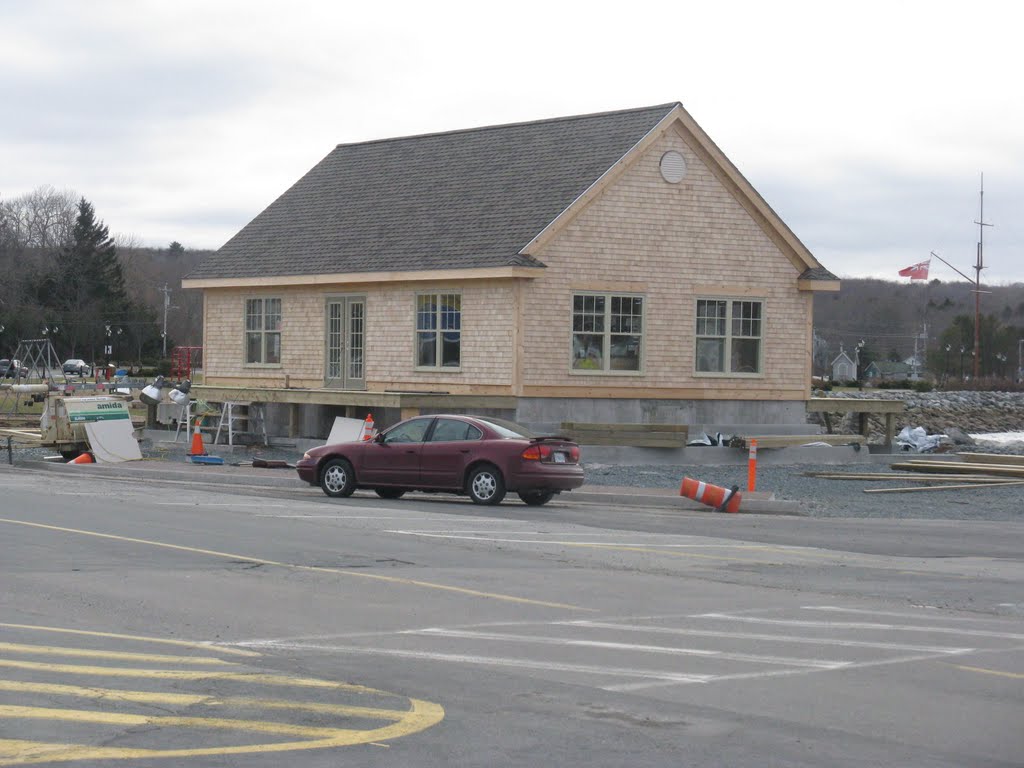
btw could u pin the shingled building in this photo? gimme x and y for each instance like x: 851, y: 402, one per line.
x: 612, y: 267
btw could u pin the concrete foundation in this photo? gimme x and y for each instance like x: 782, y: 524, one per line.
x: 303, y: 420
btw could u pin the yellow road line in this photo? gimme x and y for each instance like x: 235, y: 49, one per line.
x: 339, y: 571
x: 983, y: 671
x: 114, y: 636
x: 421, y: 715
x: 218, y: 723
x: 156, y: 658
x: 182, y: 674
x: 189, y: 699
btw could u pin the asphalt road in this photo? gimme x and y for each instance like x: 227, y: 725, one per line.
x: 165, y: 623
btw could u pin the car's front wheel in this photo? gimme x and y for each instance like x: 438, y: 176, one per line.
x: 337, y: 478
x: 486, y: 485
x: 536, y: 498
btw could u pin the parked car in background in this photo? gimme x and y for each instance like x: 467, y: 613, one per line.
x: 480, y: 457
x: 77, y: 367
x: 12, y: 369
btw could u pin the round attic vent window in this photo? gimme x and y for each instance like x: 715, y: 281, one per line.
x: 673, y: 167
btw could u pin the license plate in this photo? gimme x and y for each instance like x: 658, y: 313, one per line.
x: 559, y: 458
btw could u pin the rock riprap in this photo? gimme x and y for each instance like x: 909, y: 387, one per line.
x: 938, y: 412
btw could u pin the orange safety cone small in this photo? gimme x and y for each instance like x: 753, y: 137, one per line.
x: 367, y: 433
x: 197, y: 442
x: 722, y: 499
x: 83, y: 458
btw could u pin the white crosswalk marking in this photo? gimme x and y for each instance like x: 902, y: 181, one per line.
x: 640, y: 652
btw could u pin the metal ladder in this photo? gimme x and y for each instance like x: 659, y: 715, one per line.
x: 230, y: 412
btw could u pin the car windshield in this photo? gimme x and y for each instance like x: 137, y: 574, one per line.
x: 507, y: 428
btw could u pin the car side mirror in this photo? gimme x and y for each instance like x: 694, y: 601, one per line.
x: 379, y: 438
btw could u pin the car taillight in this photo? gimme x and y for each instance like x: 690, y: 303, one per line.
x: 537, y: 453
x: 574, y: 454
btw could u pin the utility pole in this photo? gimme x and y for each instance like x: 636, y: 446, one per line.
x: 167, y: 306
x: 980, y: 265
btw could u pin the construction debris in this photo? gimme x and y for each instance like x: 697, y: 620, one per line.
x: 973, y: 470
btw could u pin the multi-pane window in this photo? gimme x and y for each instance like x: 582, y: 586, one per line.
x: 607, y: 332
x: 729, y: 336
x: 263, y: 331
x: 438, y: 330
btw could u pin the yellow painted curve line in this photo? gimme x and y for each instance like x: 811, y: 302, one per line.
x: 420, y: 716
x: 339, y: 571
x: 195, y: 699
x: 414, y: 715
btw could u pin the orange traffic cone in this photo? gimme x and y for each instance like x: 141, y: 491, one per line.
x: 197, y: 442
x: 83, y: 458
x: 367, y: 433
x: 722, y: 499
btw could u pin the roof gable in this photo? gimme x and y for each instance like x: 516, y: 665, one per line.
x: 460, y: 200
x: 811, y: 274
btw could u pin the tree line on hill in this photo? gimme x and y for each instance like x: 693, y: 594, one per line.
x: 65, y: 278
x: 934, y: 319
x: 93, y: 296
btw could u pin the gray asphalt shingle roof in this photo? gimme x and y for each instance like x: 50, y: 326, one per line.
x: 471, y: 198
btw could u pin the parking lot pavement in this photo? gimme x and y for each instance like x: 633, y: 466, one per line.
x: 246, y: 475
x: 575, y: 635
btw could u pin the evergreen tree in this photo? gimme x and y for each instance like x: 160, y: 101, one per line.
x: 88, y: 290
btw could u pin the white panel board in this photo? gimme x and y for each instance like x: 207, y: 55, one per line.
x: 345, y: 430
x: 112, y: 442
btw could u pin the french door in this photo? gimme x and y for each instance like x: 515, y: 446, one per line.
x: 345, y: 364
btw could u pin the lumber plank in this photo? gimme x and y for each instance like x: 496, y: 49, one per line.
x: 853, y: 405
x: 991, y: 458
x: 961, y: 468
x: 991, y: 484
x: 907, y: 477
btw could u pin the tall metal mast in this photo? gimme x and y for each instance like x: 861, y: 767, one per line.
x: 980, y: 265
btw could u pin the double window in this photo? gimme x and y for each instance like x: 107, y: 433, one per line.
x: 607, y: 332
x: 263, y: 331
x: 438, y: 330
x: 729, y: 333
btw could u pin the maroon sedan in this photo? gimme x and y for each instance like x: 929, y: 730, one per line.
x: 481, y: 457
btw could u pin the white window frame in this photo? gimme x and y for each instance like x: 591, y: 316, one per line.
x: 732, y: 333
x: 263, y: 331
x: 438, y: 299
x: 607, y: 334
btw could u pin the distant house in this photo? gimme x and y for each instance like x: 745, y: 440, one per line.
x: 886, y: 370
x: 843, y: 367
x: 612, y: 267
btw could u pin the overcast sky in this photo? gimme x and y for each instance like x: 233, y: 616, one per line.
x: 865, y: 125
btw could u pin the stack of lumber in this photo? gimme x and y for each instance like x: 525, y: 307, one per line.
x: 32, y: 436
x: 635, y: 435
x: 973, y: 470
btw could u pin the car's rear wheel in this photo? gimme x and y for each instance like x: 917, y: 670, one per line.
x: 536, y: 498
x: 486, y: 485
x: 337, y: 478
x: 390, y: 493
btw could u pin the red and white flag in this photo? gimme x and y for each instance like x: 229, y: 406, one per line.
x: 918, y: 271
